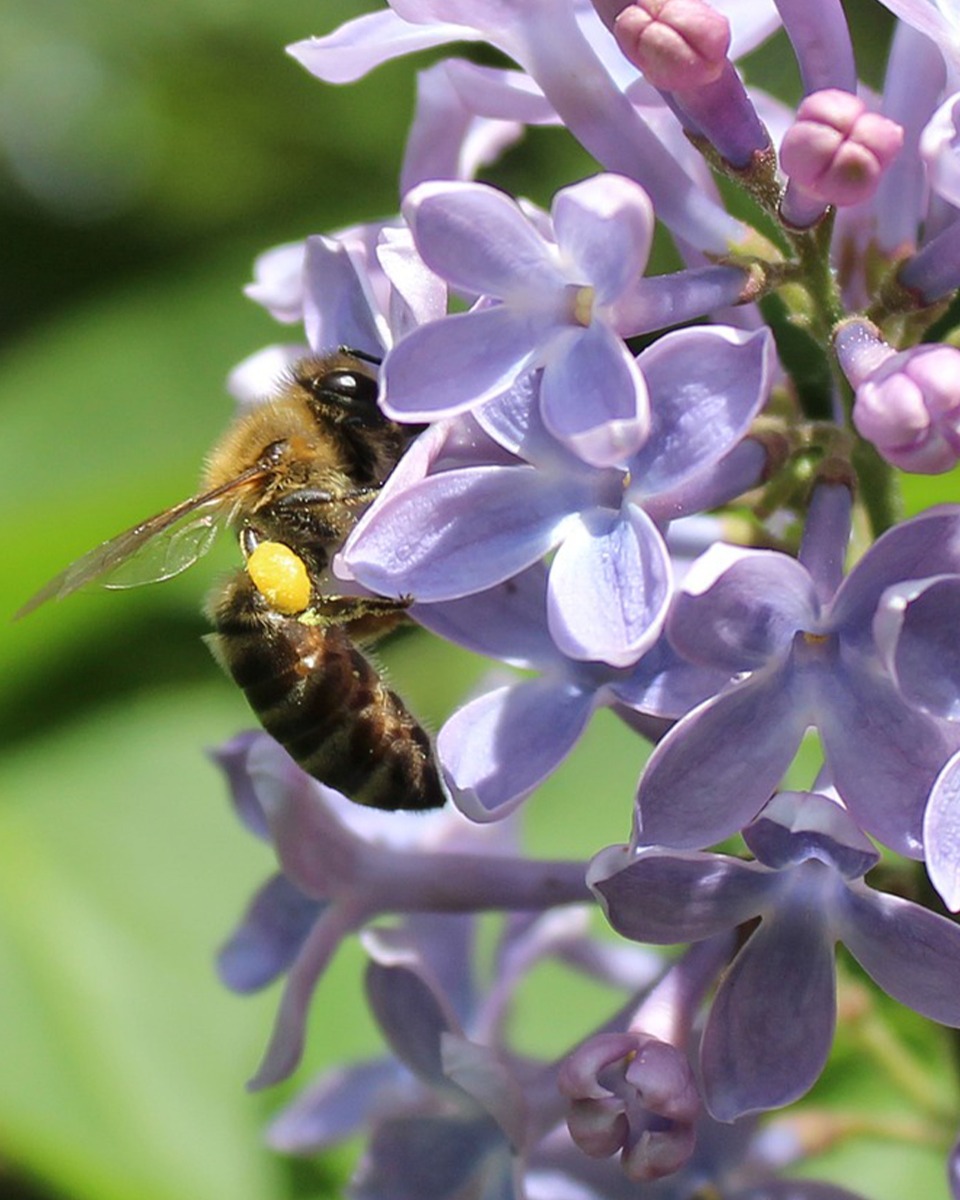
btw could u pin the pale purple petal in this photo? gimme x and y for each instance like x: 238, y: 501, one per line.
x: 289, y: 1030
x: 926, y: 545
x: 339, y: 308
x: 358, y: 46
x: 668, y: 898
x: 883, y: 755
x: 416, y: 294
x: 426, y: 1158
x: 593, y: 397
x: 507, y: 622
x: 941, y: 834
x: 604, y: 226
x: 478, y: 239
x: 411, y: 1016
x: 447, y: 140
x: 278, y: 282
x: 458, y: 532
x: 488, y: 1081
x: 447, y: 366
x: 233, y: 759
x: 338, y: 1105
x: 502, y: 94
x: 498, y: 748
x: 916, y: 631
x: 261, y: 373
x: 741, y: 469
x: 740, y: 608
x: 268, y: 940
x: 912, y: 953
x: 705, y: 781
x: 609, y: 587
x: 706, y: 385
x: 771, y: 1024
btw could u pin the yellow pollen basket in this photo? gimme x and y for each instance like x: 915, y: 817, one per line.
x: 281, y: 578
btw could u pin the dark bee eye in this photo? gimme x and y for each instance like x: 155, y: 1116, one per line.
x: 354, y: 392
x: 271, y: 455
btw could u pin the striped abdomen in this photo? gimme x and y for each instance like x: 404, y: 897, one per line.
x: 314, y: 691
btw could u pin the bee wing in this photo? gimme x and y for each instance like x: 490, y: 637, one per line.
x: 159, y: 548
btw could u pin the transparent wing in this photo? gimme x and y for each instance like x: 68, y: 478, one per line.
x: 156, y: 549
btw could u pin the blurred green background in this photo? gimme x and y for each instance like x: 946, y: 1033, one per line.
x: 147, y: 153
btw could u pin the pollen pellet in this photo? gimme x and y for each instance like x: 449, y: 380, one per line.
x: 280, y: 576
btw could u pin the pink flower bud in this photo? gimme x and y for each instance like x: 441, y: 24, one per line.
x: 837, y: 150
x: 634, y: 1094
x: 678, y: 44
x: 910, y: 409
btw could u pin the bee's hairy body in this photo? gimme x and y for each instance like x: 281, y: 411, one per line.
x: 312, y: 689
x: 291, y: 477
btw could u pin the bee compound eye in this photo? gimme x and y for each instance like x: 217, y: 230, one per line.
x: 356, y: 391
x: 273, y: 453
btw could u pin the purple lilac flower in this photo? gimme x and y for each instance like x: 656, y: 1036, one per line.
x: 461, y: 531
x: 557, y: 297
x: 807, y: 656
x: 772, y: 1021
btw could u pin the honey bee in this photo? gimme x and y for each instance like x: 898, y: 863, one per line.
x: 292, y: 477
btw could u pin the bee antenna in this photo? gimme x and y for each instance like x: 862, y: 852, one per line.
x: 361, y: 354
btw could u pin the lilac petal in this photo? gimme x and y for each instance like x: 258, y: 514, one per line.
x: 706, y: 385
x: 447, y: 140
x: 665, y: 685
x: 609, y: 587
x: 417, y: 295
x: 741, y: 469
x: 232, y: 758
x: 411, y: 1016
x: 339, y: 308
x: 826, y: 537
x: 915, y: 628
x: 498, y: 748
x: 476, y: 238
x: 478, y: 1071
x: 912, y: 953
x: 269, y: 938
x: 458, y: 532
x: 447, y: 366
x: 771, y: 1025
x: 425, y: 1158
x: 883, y: 755
x: 705, y: 780
x: 507, y: 622
x: 604, y: 226
x: 260, y: 373
x: 278, y: 282
x: 289, y: 1030
x: 941, y: 834
x: 593, y: 397
x: 504, y: 95
x: 797, y: 826
x: 340, y: 1104
x: 926, y: 545
x: 358, y: 46
x: 446, y: 943
x: 739, y: 609
x: 668, y: 897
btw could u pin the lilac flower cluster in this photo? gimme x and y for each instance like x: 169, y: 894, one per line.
x: 637, y: 491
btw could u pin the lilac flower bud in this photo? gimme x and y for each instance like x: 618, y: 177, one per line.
x: 633, y: 1093
x: 835, y: 153
x: 678, y: 44
x: 909, y: 407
